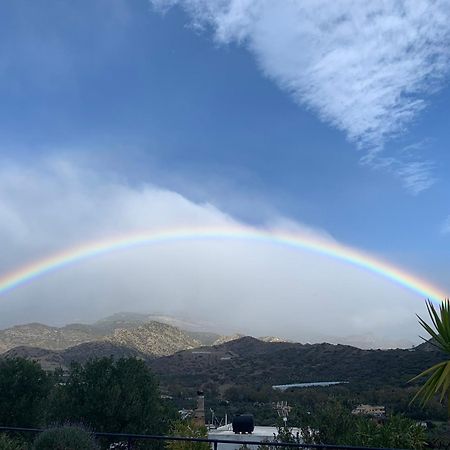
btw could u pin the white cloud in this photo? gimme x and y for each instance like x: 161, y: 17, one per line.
x: 234, y: 285
x: 364, y: 67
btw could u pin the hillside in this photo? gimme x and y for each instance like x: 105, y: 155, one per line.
x: 53, y: 359
x: 251, y: 361
x: 223, y: 339
x: 80, y: 342
x: 204, y: 337
x: 154, y: 338
x: 134, y: 330
x: 243, y: 361
x: 181, y: 357
x: 44, y: 336
x: 81, y: 353
x: 132, y: 320
x: 140, y: 331
x: 48, y: 359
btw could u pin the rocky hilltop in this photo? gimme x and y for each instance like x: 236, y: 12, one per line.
x: 154, y: 338
x: 151, y: 339
x: 135, y: 330
x: 150, y: 334
x: 46, y: 337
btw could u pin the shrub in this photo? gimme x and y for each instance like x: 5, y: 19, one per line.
x: 65, y: 438
x: 191, y: 430
x: 24, y: 388
x: 112, y: 395
x: 7, y: 443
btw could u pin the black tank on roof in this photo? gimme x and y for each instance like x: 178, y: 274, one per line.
x: 243, y: 423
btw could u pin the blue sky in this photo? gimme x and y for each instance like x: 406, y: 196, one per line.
x: 239, y: 109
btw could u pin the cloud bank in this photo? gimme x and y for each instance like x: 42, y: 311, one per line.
x: 364, y: 67
x: 239, y: 286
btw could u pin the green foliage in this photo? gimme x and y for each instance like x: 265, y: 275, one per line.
x: 329, y: 423
x: 284, y: 435
x: 439, y: 436
x: 186, y: 428
x: 109, y: 395
x: 439, y: 374
x: 65, y: 438
x: 332, y: 423
x: 7, y: 443
x: 24, y: 387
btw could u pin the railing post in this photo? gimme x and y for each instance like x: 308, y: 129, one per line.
x: 129, y: 443
x: 215, y: 445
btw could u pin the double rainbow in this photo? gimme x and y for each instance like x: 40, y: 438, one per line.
x: 57, y: 261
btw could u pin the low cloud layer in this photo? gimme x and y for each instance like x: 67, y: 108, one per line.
x: 255, y: 288
x: 364, y: 67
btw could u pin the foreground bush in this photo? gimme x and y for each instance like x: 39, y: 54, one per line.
x: 7, y: 443
x: 188, y: 429
x: 331, y: 423
x: 108, y: 395
x: 24, y: 388
x: 65, y: 438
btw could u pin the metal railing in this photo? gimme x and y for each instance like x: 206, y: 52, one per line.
x: 130, y: 439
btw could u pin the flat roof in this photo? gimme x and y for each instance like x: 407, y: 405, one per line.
x: 259, y: 431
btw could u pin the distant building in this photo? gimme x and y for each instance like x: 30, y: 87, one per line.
x: 370, y: 410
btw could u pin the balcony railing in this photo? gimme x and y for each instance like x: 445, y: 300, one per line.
x: 129, y: 439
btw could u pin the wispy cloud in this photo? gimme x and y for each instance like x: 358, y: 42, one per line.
x: 416, y: 174
x: 364, y: 67
x: 445, y: 228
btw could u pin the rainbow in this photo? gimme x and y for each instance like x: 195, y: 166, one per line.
x: 67, y: 257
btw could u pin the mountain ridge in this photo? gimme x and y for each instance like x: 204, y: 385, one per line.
x: 133, y: 330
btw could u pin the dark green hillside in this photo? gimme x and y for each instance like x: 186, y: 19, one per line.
x: 251, y: 361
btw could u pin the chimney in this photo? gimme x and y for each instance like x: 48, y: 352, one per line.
x: 199, y: 413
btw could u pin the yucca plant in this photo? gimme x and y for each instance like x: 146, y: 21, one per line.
x: 438, y: 381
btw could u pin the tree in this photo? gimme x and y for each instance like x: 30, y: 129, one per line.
x: 187, y: 428
x: 332, y: 423
x: 329, y: 423
x: 24, y: 387
x: 438, y: 375
x: 112, y: 396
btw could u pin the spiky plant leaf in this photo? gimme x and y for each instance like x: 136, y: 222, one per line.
x: 431, y: 387
x: 439, y: 374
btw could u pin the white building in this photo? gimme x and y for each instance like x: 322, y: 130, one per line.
x: 370, y: 410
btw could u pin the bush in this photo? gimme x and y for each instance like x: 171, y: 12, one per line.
x: 191, y: 430
x: 7, y: 443
x: 111, y: 395
x: 65, y: 438
x: 332, y: 423
x: 24, y: 389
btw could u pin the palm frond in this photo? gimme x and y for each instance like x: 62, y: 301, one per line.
x: 430, y: 387
x: 427, y: 371
x: 438, y: 375
x: 440, y: 331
